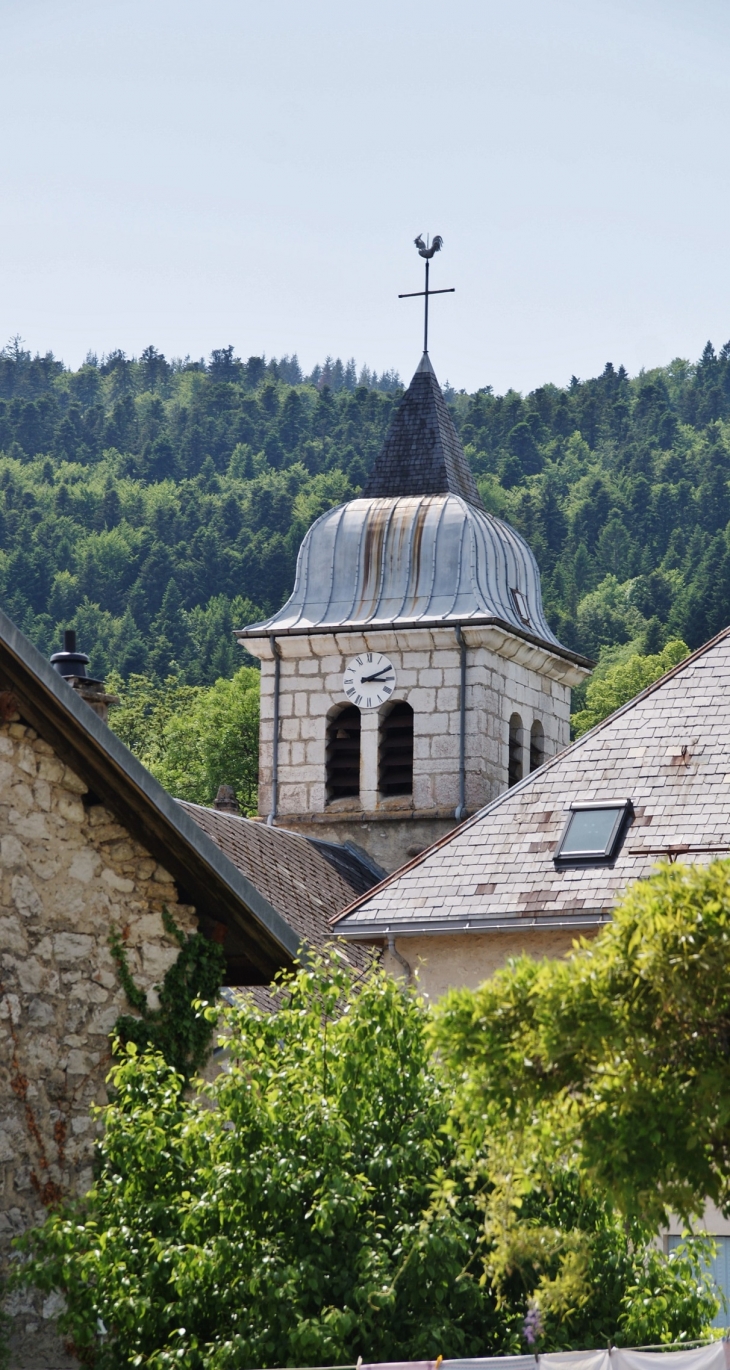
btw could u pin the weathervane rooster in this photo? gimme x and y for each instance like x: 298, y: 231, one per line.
x: 428, y: 252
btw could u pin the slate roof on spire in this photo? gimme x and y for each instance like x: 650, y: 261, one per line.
x: 422, y: 454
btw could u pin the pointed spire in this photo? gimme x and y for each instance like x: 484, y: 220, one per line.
x: 422, y: 453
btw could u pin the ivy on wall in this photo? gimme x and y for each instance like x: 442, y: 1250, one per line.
x: 175, y: 1029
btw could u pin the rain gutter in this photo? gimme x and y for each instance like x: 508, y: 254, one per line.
x: 487, y: 621
x: 460, y: 811
x: 387, y: 928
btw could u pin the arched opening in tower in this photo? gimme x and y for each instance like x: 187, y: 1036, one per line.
x: 343, y: 754
x: 395, y: 756
x: 537, y: 745
x: 515, y: 751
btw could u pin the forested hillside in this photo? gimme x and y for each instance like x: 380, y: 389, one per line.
x: 154, y: 505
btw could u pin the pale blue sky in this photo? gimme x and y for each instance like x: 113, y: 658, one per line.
x: 198, y: 174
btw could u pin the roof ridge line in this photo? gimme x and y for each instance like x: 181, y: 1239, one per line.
x: 526, y: 780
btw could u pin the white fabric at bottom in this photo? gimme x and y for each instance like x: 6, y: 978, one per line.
x: 491, y: 1363
x: 716, y: 1356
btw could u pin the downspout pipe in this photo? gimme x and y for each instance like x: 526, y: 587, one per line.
x: 460, y: 812
x: 276, y: 653
x: 396, y: 954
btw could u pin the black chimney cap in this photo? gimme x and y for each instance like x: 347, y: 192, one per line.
x: 69, y: 662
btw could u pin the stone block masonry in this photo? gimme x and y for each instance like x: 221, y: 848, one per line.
x: 69, y: 874
x: 505, y: 675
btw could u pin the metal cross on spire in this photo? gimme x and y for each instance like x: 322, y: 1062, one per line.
x: 427, y: 251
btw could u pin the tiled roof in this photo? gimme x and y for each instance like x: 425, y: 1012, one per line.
x: 298, y: 880
x: 358, y: 869
x: 497, y: 870
x: 422, y: 454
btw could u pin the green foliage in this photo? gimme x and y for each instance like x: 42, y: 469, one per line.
x: 155, y: 506
x: 311, y: 1205
x: 176, y: 1028
x: 670, y: 1295
x: 285, y: 1225
x: 144, y: 709
x: 595, y: 1279
x: 616, y: 1059
x: 194, y: 738
x: 615, y: 685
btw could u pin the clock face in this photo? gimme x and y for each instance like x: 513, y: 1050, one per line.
x: 369, y: 680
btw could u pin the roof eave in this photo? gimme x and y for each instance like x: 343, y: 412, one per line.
x: 270, y: 629
x: 381, y: 929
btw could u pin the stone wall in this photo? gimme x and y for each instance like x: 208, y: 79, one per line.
x: 504, y: 674
x: 69, y: 873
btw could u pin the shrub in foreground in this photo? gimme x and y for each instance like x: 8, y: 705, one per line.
x: 310, y: 1206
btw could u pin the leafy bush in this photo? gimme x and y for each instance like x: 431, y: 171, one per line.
x: 310, y: 1206
x: 284, y: 1225
x: 615, y: 1059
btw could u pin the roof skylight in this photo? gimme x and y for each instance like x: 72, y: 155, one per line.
x: 593, y: 832
x: 520, y: 603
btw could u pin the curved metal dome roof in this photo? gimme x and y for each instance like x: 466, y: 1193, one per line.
x: 418, y: 549
x: 412, y: 561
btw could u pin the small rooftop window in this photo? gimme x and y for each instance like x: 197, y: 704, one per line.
x: 520, y: 603
x: 594, y: 832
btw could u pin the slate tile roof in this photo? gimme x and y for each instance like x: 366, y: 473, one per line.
x: 298, y: 879
x: 497, y: 870
x: 422, y: 454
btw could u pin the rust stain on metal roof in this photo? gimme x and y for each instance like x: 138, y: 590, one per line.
x: 424, y: 558
x: 372, y: 556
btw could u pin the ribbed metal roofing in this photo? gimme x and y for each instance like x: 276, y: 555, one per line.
x: 412, y: 561
x: 422, y: 453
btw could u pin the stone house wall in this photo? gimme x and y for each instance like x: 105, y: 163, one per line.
x: 504, y: 674
x: 69, y: 873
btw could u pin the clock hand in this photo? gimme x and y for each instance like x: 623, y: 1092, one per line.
x: 385, y: 671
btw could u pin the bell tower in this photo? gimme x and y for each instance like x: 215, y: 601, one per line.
x: 412, y: 675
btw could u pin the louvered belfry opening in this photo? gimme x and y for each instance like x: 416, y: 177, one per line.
x: 515, y: 750
x: 395, y: 761
x: 537, y: 745
x: 343, y: 755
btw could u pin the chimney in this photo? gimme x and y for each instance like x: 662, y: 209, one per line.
x: 225, y: 800
x: 71, y: 664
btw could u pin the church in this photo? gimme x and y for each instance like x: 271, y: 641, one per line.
x: 412, y: 675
